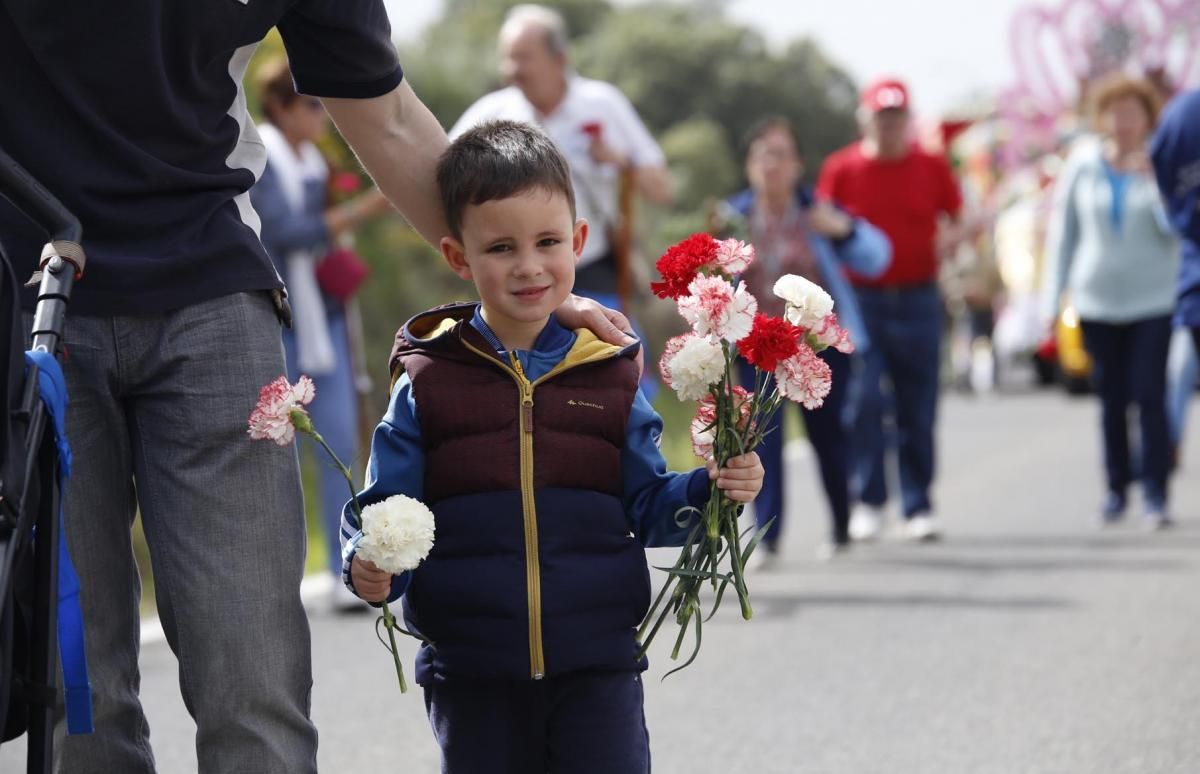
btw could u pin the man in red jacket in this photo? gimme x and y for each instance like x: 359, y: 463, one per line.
x: 910, y: 195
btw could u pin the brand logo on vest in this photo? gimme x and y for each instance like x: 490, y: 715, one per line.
x: 584, y: 403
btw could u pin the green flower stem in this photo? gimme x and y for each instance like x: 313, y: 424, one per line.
x: 389, y: 620
x: 716, y: 534
x: 739, y: 571
x: 389, y: 623
x: 346, y: 472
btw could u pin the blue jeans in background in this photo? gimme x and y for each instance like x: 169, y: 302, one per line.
x: 905, y: 326
x: 1182, y: 372
x: 828, y: 435
x: 1130, y: 367
x: 334, y: 413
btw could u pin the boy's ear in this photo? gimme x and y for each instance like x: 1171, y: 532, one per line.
x: 456, y: 257
x: 579, y: 238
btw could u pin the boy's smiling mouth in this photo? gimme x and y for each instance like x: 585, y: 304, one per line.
x: 531, y: 294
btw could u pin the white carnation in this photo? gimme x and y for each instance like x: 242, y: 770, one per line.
x: 397, y: 534
x: 699, y: 363
x: 807, y: 302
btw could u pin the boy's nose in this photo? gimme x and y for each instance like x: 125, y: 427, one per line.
x: 529, y: 265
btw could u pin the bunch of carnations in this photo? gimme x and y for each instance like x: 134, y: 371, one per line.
x: 397, y: 532
x: 701, y: 275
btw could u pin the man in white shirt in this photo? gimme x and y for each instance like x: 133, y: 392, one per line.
x: 593, y: 124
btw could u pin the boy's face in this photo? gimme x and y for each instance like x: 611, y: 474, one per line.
x: 520, y: 252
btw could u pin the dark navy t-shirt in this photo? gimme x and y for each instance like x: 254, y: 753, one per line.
x: 132, y: 113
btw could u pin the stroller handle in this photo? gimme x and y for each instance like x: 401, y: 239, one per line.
x: 38, y: 204
x: 55, y: 278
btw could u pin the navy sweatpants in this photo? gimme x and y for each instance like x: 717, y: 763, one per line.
x: 586, y: 723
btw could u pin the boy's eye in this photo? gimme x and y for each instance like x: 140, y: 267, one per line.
x: 499, y: 248
x: 549, y: 242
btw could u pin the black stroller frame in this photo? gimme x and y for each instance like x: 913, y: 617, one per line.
x: 29, y: 492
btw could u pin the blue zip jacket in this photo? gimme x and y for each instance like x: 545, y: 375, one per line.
x: 1175, y: 152
x: 867, y: 251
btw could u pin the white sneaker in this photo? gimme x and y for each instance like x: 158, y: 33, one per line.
x: 866, y: 522
x: 763, y: 559
x: 829, y: 551
x: 1156, y: 520
x: 924, y: 529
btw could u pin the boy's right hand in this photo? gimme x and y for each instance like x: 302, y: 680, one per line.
x: 370, y: 582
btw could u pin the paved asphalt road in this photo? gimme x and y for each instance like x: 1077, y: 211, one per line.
x: 1026, y: 642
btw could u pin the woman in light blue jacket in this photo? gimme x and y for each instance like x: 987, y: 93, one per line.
x: 792, y: 235
x: 1110, y: 248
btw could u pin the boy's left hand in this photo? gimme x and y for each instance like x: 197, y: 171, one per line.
x: 741, y: 478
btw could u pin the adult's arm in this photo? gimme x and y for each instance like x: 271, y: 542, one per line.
x: 866, y: 251
x: 1175, y: 154
x: 642, y: 153
x: 1062, y: 238
x: 654, y: 183
x: 399, y: 143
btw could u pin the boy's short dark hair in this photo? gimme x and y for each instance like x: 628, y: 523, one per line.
x: 496, y: 160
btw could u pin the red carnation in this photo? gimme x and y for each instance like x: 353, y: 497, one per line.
x: 346, y: 182
x: 681, y: 262
x: 771, y: 339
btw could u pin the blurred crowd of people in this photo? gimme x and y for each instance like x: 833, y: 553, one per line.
x: 947, y: 267
x: 1088, y: 252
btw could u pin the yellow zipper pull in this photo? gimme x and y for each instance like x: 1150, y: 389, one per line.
x: 516, y: 364
x: 526, y: 393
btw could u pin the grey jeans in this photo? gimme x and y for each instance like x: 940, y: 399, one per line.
x: 157, y: 422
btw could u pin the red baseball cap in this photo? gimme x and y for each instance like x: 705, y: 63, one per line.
x: 885, y: 94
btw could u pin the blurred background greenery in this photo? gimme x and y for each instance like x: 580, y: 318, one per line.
x: 699, y: 80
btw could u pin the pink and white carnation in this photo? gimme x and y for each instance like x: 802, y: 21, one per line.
x: 807, y: 302
x: 704, y: 424
x: 280, y: 409
x: 674, y: 344
x: 704, y: 429
x: 734, y: 256
x: 714, y: 307
x: 830, y: 334
x: 804, y: 378
x: 697, y: 364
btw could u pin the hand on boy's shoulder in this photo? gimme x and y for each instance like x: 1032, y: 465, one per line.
x: 741, y: 478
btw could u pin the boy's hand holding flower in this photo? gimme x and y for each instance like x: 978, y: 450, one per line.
x: 741, y: 479
x: 370, y: 583
x: 700, y: 275
x: 397, y: 533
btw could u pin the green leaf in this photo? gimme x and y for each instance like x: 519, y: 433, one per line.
x: 695, y: 650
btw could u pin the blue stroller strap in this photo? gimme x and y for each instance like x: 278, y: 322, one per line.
x: 76, y: 687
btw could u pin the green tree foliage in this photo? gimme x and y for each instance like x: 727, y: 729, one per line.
x: 721, y: 71
x: 702, y: 163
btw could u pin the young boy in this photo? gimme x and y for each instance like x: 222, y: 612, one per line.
x: 540, y: 460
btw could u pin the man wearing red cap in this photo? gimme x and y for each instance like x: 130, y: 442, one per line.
x: 909, y: 194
